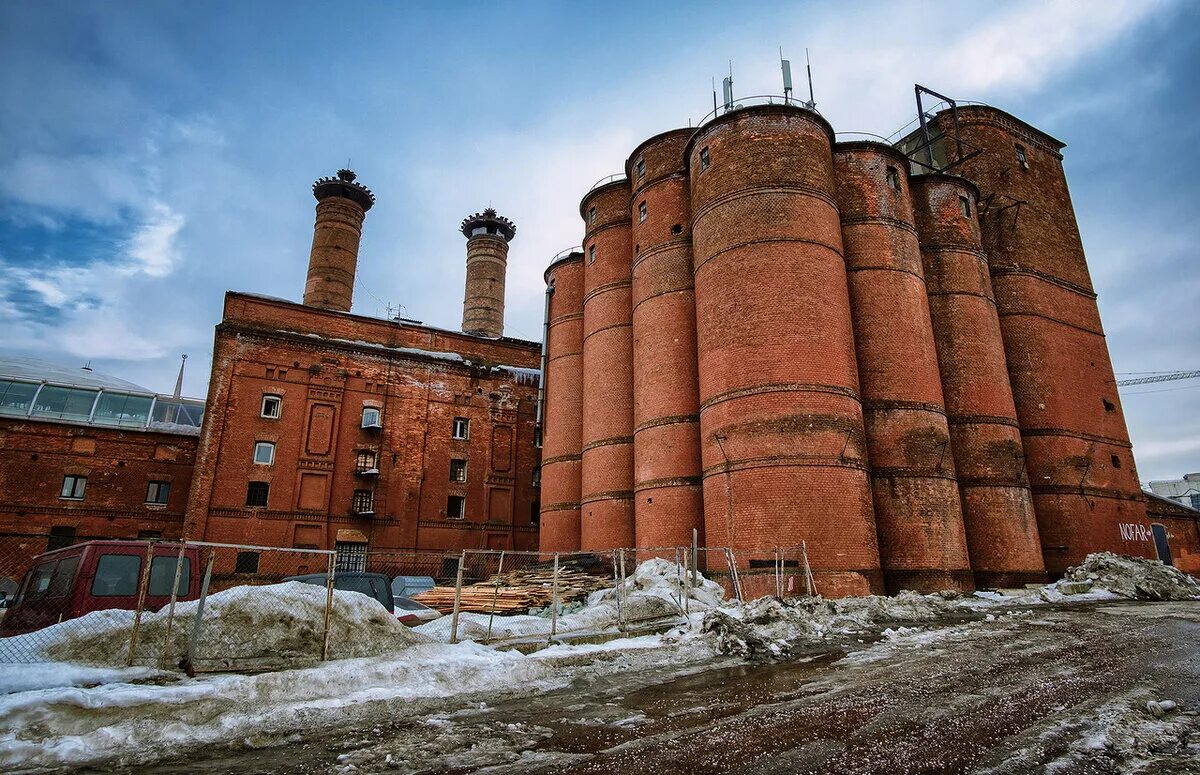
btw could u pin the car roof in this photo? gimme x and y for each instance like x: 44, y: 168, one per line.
x: 78, y: 548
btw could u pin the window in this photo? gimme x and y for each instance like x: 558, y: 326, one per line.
x: 39, y: 582
x: 371, y: 417
x: 65, y: 403
x: 462, y: 428
x: 537, y: 476
x: 15, y: 396
x: 1116, y: 461
x: 641, y: 168
x: 965, y: 205
x: 1021, y: 157
x: 592, y: 254
x: 271, y: 407
x: 158, y: 492
x: 458, y: 470
x: 257, y: 492
x: 60, y: 536
x: 456, y: 507
x: 162, y: 573
x: 351, y: 557
x: 364, y: 502
x: 122, y: 409
x: 642, y: 213
x: 1195, y: 499
x: 591, y: 215
x: 246, y: 562
x: 64, y: 576
x: 264, y: 453
x: 365, y: 461
x: 893, y: 178
x: 73, y: 487
x: 117, y: 575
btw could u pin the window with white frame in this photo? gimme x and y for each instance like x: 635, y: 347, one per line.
x: 462, y: 428
x: 272, y: 407
x: 158, y: 493
x: 371, y: 417
x: 73, y: 487
x: 264, y: 453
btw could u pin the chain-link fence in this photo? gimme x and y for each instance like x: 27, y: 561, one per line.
x: 210, y: 606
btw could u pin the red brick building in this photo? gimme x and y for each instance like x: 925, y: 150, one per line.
x: 84, y: 455
x: 890, y: 353
x: 330, y: 429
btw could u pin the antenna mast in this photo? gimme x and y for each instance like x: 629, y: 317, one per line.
x: 786, y: 67
x: 812, y: 101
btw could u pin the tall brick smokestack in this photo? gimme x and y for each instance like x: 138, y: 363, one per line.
x: 341, y: 206
x: 488, y: 235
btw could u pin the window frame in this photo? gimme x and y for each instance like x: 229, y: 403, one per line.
x: 454, y: 461
x: 378, y: 421
x: 705, y: 159
x: 964, y: 206
x: 466, y: 425
x: 892, y: 176
x: 78, y: 483
x: 255, y: 487
x: 361, y: 498
x: 461, y: 501
x: 643, y: 210
x: 162, y: 492
x: 640, y: 167
x: 591, y: 217
x: 1022, y: 154
x: 262, y: 409
x: 591, y: 254
x: 264, y: 445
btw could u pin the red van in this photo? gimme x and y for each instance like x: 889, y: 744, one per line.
x: 95, y: 576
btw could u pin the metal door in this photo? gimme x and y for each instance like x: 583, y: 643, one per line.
x: 1160, y: 543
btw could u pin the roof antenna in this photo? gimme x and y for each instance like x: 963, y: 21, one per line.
x: 86, y: 367
x: 727, y: 87
x: 786, y: 66
x: 714, y: 87
x: 179, y: 380
x: 812, y: 101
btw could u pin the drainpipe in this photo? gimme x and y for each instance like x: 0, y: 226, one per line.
x: 541, y: 394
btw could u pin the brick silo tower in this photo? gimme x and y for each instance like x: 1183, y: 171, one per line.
x: 562, y: 427
x: 922, y: 545
x: 606, y: 501
x: 1002, y: 534
x: 342, y: 205
x: 1077, y: 449
x: 782, y: 441
x: 666, y: 406
x: 488, y: 235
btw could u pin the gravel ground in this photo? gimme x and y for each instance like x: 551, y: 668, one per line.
x: 1060, y: 689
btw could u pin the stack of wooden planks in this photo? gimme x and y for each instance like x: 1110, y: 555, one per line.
x: 519, y: 590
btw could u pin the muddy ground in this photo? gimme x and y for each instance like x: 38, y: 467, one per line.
x: 1036, y: 690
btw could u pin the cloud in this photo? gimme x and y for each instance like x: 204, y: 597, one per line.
x: 153, y: 249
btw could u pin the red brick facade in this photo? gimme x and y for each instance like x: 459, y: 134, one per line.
x: 119, y: 464
x: 905, y: 372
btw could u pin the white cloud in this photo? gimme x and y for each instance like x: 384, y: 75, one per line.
x: 153, y: 250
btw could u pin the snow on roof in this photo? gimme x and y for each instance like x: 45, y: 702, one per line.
x: 34, y: 370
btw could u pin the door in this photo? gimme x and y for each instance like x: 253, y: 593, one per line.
x: 1160, y: 543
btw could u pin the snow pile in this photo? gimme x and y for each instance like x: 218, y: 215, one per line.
x: 651, y: 592
x: 1135, y: 578
x: 276, y: 623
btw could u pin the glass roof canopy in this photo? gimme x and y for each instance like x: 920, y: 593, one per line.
x: 110, y: 407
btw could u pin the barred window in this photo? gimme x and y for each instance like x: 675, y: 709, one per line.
x: 257, y: 493
x: 364, y: 502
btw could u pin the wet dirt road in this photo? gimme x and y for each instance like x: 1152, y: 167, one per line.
x: 1031, y: 691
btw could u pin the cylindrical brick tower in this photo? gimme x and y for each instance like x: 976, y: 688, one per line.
x: 782, y: 441
x: 341, y: 206
x: 666, y: 406
x: 606, y: 502
x: 563, y: 426
x: 1002, y: 535
x: 488, y: 235
x: 922, y: 545
x: 1077, y: 449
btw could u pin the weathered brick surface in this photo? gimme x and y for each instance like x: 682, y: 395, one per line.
x: 666, y: 409
x: 782, y: 438
x: 334, y: 257
x: 327, y: 366
x: 483, y: 301
x: 1058, y: 363
x: 922, y: 545
x: 1002, y: 535
x: 606, y: 498
x: 119, y: 464
x: 563, y: 425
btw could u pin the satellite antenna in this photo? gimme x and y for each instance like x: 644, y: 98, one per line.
x: 714, y: 87
x: 786, y: 66
x: 727, y: 87
x: 812, y: 101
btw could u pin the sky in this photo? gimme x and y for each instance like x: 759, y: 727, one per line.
x: 154, y: 154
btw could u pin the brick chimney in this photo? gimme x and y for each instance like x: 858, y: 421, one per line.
x: 341, y: 206
x: 488, y: 235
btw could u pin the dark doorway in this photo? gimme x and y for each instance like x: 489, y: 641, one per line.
x: 1160, y: 543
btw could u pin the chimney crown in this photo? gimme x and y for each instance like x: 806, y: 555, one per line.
x: 490, y: 220
x: 344, y: 186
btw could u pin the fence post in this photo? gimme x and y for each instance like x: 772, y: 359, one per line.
x: 624, y: 591
x: 331, y: 571
x: 617, y: 591
x: 695, y: 553
x: 137, y: 617
x: 495, y: 595
x: 678, y: 580
x: 462, y: 559
x: 191, y: 653
x: 684, y: 587
x: 162, y: 660
x: 554, y: 600
x: 808, y: 577
x: 731, y: 560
